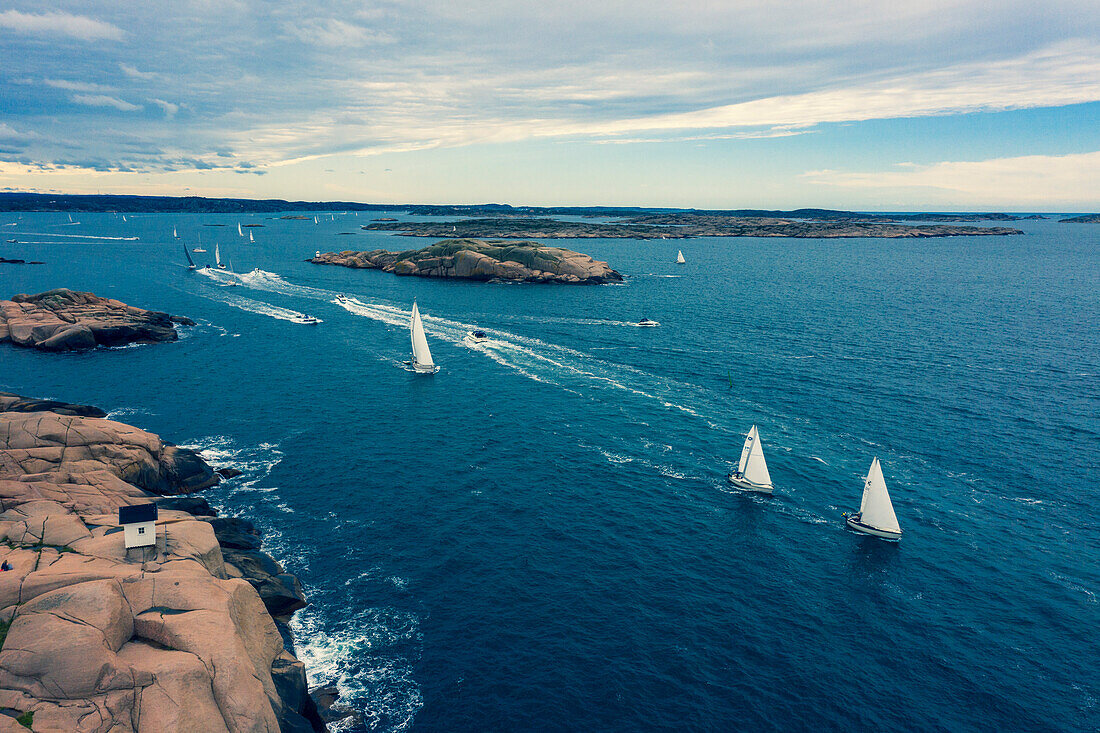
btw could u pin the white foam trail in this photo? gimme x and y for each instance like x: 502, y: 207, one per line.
x: 79, y: 236
x: 247, y: 304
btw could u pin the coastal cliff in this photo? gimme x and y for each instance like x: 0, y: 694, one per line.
x: 184, y: 636
x: 68, y: 320
x: 475, y: 259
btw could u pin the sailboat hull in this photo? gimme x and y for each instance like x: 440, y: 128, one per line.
x: 746, y: 485
x: 853, y: 522
x: 424, y: 368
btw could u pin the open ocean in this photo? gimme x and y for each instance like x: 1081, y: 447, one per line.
x: 541, y: 536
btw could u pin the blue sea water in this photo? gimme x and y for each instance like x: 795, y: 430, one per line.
x: 541, y: 537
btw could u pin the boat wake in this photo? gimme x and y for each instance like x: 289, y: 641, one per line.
x: 78, y: 236
x: 255, y: 306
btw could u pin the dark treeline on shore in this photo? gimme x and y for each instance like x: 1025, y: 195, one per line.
x: 18, y: 201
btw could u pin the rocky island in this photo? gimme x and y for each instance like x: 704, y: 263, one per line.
x: 188, y: 634
x: 475, y: 259
x: 66, y: 320
x: 679, y: 226
x: 1085, y: 219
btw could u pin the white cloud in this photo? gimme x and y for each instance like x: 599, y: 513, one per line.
x: 76, y: 86
x: 103, y: 100
x: 169, y: 108
x: 135, y: 73
x: 1041, y: 180
x: 9, y: 133
x: 336, y: 33
x: 64, y: 24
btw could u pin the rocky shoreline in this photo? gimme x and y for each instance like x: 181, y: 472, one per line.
x: 673, y: 226
x: 488, y: 261
x: 189, y: 635
x: 69, y: 320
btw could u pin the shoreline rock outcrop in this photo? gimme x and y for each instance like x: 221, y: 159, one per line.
x: 476, y: 259
x: 68, y: 320
x: 188, y: 635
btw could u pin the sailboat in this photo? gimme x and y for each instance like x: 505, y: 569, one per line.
x: 876, y: 512
x: 422, y: 357
x: 218, y: 257
x: 251, y: 239
x: 752, y: 471
x: 70, y: 218
x: 174, y: 234
x: 199, y: 248
x: 190, y: 262
x: 239, y: 232
x: 123, y: 218
x: 315, y: 220
x: 680, y: 257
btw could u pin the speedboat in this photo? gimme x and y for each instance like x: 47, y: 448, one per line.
x: 648, y: 323
x: 476, y: 337
x: 13, y: 241
x: 309, y: 320
x: 198, y: 249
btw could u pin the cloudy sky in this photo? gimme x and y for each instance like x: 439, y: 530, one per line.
x: 866, y: 104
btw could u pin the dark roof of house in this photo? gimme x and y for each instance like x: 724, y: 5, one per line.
x: 137, y: 513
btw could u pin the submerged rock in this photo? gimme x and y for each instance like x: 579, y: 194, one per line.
x: 67, y: 320
x: 475, y: 259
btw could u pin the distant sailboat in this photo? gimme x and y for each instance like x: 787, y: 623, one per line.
x: 190, y: 262
x: 174, y: 234
x: 250, y: 237
x: 239, y: 232
x: 70, y: 218
x: 752, y: 471
x: 123, y: 218
x: 680, y: 257
x: 422, y: 356
x: 876, y: 512
x: 315, y: 220
x: 218, y: 257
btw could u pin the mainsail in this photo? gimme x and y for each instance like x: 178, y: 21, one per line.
x: 876, y: 510
x: 753, y: 466
x: 680, y: 257
x: 190, y: 262
x: 422, y: 356
x: 217, y: 256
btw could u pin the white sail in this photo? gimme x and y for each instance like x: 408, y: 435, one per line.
x: 680, y: 257
x: 250, y: 237
x: 422, y: 356
x: 315, y: 220
x: 217, y: 256
x: 239, y: 232
x: 753, y: 466
x: 875, y: 509
x: 174, y: 234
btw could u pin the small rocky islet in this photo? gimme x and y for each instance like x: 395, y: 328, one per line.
x: 69, y: 320
x: 476, y: 259
x: 187, y: 635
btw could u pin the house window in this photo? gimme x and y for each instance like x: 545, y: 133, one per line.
x: 141, y: 530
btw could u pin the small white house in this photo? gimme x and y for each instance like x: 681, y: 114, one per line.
x: 139, y: 524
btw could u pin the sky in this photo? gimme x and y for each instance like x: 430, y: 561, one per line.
x: 945, y: 105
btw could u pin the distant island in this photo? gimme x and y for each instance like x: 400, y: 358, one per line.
x: 18, y: 201
x: 1086, y: 219
x: 474, y: 259
x: 676, y: 226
